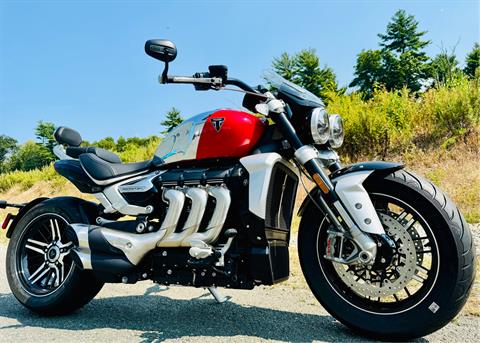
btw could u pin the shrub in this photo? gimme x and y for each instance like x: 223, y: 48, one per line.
x: 26, y: 179
x: 395, y: 122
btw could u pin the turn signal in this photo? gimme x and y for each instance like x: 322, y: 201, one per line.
x: 7, y: 220
x: 318, y: 180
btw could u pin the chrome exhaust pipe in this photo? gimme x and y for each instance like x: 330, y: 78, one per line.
x: 89, y: 240
x: 199, y: 199
x: 211, y: 233
x: 176, y: 201
x: 81, y: 254
x: 90, y: 252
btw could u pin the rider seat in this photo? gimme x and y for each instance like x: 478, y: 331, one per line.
x: 100, y: 164
x: 100, y: 169
x: 72, y: 139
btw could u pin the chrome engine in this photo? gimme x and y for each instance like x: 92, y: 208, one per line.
x: 182, y: 223
x: 135, y: 246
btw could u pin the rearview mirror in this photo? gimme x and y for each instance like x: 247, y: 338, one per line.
x: 161, y: 49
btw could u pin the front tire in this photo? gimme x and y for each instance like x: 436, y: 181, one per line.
x: 443, y: 257
x: 40, y: 272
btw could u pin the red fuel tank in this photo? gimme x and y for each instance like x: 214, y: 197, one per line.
x: 229, y: 133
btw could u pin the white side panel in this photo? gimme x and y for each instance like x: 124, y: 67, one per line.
x: 356, y: 200
x: 260, y: 168
x: 113, y: 201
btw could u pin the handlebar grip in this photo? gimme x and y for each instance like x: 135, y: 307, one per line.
x: 204, y: 74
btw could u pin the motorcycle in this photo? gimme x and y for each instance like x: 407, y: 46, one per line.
x: 383, y: 250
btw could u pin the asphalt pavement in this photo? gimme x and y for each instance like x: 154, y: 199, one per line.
x: 146, y: 312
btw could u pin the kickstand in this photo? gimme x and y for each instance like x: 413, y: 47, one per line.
x: 217, y: 295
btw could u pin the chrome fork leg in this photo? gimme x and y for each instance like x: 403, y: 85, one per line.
x: 217, y: 295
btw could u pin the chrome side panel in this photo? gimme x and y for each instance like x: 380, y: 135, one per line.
x: 59, y: 151
x: 350, y: 190
x: 134, y: 246
x: 182, y: 142
x: 260, y: 168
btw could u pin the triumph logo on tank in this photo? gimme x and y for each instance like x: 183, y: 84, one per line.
x: 217, y: 123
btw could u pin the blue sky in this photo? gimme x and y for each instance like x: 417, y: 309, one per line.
x: 82, y: 63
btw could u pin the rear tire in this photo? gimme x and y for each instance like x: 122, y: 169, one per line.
x: 40, y: 293
x: 449, y: 282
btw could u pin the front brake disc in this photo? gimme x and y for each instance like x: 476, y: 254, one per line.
x: 399, y: 273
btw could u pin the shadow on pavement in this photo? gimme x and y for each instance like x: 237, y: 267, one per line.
x: 160, y: 318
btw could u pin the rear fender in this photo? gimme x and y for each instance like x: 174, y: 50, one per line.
x: 376, y: 168
x: 86, y: 210
x: 21, y: 213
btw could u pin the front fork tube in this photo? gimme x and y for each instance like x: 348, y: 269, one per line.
x: 333, y: 207
x: 329, y: 200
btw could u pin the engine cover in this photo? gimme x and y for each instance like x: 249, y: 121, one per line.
x: 216, y: 134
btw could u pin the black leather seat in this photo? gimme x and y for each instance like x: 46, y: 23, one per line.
x: 72, y: 139
x: 106, y: 155
x: 102, y: 170
x: 67, y: 136
x: 99, y: 163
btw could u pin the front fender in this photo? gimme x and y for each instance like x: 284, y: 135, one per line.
x: 378, y: 168
x: 86, y: 209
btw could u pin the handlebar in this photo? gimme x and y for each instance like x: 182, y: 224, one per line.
x: 213, y: 81
x: 240, y: 84
x: 203, y: 81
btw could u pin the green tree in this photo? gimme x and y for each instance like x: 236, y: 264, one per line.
x: 285, y: 65
x: 445, y: 68
x: 472, y: 62
x: 44, y: 133
x: 407, y: 65
x: 121, y: 144
x: 30, y: 156
x: 172, y: 119
x: 402, y: 35
x: 107, y: 143
x: 368, y: 71
x: 8, y: 146
x: 304, y: 69
x: 401, y: 62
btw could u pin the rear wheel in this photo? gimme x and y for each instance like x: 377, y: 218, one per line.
x: 411, y: 290
x: 40, y: 271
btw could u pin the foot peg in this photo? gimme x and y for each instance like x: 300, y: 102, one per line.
x: 200, y: 250
x: 217, y: 295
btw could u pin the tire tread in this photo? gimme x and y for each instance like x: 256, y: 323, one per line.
x: 457, y: 224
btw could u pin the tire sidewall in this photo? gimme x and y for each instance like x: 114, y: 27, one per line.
x: 414, y: 322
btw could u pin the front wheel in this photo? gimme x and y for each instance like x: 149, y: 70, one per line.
x: 413, y: 289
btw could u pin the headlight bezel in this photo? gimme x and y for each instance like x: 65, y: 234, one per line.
x: 319, y: 116
x: 337, y: 132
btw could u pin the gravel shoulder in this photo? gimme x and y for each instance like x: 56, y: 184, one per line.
x: 146, y: 312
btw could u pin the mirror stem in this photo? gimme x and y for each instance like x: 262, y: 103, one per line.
x: 164, y: 74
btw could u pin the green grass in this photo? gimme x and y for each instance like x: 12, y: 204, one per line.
x: 24, y: 180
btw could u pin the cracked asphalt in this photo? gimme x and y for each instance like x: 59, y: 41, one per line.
x: 146, y: 312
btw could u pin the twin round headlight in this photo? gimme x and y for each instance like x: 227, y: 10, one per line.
x: 325, y: 128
